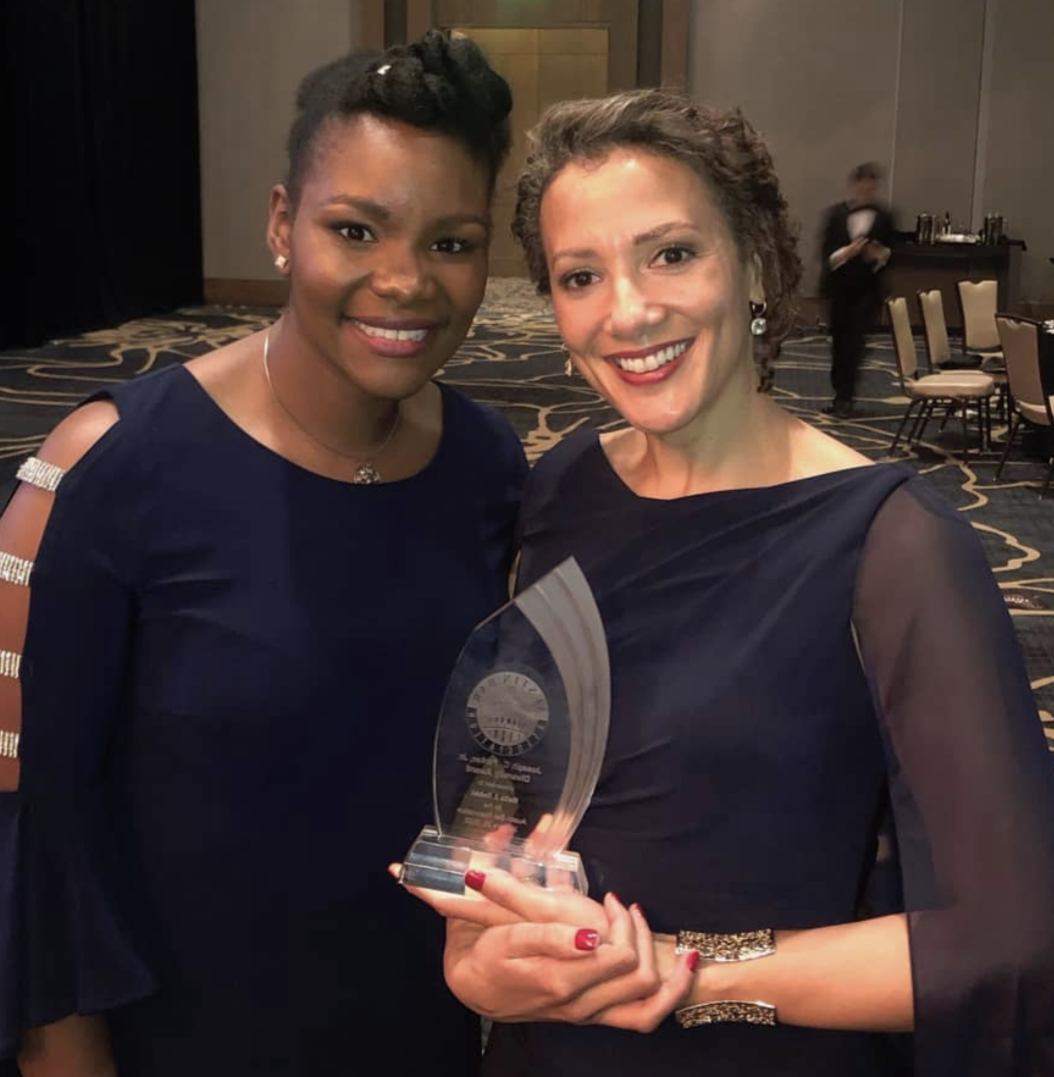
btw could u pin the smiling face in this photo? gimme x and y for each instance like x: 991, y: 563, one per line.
x: 649, y: 289
x: 387, y: 250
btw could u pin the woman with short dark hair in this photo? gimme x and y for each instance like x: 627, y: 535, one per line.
x: 251, y: 575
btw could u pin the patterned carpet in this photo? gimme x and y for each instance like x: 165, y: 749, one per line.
x: 512, y: 361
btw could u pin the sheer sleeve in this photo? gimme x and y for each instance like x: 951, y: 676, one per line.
x: 972, y: 789
x: 65, y: 937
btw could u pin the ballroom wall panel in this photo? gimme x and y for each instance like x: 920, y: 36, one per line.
x: 951, y: 96
x: 1017, y: 173
x: 815, y: 77
x: 251, y: 57
x: 938, y: 101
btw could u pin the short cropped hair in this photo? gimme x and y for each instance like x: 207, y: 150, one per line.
x: 441, y: 83
x: 867, y: 171
x: 720, y: 146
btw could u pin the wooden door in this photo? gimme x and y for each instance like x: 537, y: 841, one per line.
x: 542, y: 66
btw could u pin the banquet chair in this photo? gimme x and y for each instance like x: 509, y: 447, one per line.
x: 978, y: 302
x: 939, y: 353
x: 957, y: 389
x: 935, y: 334
x: 1032, y: 397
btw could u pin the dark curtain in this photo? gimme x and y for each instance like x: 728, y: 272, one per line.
x: 100, y: 164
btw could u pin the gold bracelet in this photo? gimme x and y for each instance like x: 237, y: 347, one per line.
x: 726, y: 1011
x: 739, y: 946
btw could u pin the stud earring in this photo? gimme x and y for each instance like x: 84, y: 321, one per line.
x: 758, y: 322
x: 281, y: 261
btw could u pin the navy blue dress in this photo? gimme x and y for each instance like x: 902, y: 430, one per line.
x: 755, y: 758
x: 232, y: 674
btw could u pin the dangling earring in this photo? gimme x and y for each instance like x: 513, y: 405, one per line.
x: 569, y: 366
x: 281, y: 262
x: 758, y: 322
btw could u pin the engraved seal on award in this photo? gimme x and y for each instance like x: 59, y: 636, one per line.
x: 520, y: 740
x: 508, y: 712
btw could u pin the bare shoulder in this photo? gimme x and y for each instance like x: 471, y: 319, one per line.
x: 77, y: 433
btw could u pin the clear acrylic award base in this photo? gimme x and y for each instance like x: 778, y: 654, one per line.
x: 439, y: 862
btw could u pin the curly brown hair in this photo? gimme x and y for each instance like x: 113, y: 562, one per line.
x: 721, y: 147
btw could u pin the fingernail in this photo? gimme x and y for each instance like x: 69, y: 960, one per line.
x: 474, y: 880
x: 692, y: 960
x: 636, y: 907
x: 586, y: 939
x: 611, y: 893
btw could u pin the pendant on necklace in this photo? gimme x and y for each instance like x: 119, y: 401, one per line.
x: 366, y: 475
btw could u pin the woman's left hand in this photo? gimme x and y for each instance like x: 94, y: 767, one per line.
x: 517, y: 955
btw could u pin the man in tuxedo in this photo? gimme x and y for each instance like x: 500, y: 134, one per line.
x: 856, y: 248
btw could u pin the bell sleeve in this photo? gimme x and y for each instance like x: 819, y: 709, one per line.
x: 971, y: 785
x: 67, y: 934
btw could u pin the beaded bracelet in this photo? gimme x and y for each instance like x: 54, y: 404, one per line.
x: 737, y: 946
x: 726, y: 1011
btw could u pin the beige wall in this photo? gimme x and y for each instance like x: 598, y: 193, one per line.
x: 1017, y: 174
x: 952, y: 97
x: 251, y: 57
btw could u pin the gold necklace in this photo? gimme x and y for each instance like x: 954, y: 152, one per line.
x: 366, y: 474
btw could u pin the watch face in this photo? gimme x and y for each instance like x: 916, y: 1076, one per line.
x: 508, y: 713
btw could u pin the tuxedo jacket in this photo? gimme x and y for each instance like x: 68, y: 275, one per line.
x: 857, y: 275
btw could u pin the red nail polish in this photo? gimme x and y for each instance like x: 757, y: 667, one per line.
x: 636, y: 907
x: 615, y: 896
x: 692, y: 960
x: 586, y: 939
x: 474, y: 880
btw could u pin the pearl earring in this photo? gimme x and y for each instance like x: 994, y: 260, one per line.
x: 281, y: 261
x: 758, y: 322
x: 569, y: 366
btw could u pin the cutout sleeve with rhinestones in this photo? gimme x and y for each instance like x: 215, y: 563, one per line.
x: 65, y: 613
x: 37, y: 472
x: 16, y: 570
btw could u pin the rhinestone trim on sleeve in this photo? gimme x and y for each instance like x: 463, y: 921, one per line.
x: 8, y: 744
x: 10, y: 664
x: 14, y: 569
x: 40, y: 473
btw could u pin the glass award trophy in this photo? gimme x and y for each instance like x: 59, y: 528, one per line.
x: 520, y: 741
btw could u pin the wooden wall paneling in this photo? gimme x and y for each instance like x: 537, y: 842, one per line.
x: 676, y: 34
x: 542, y: 66
x: 649, y: 42
x: 618, y: 17
x: 573, y: 63
x: 367, y: 24
x: 420, y: 16
x: 394, y: 22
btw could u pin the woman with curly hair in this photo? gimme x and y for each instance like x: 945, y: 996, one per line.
x: 821, y: 838
x: 233, y: 591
